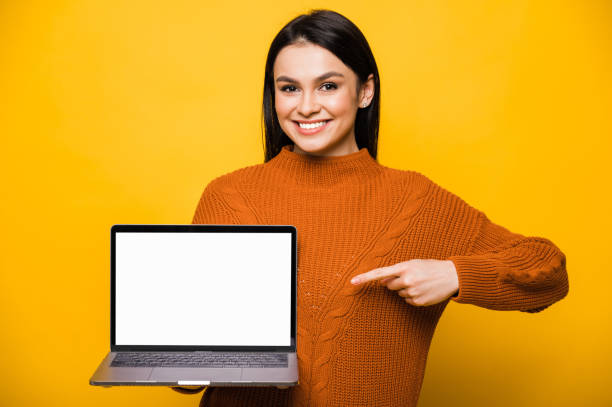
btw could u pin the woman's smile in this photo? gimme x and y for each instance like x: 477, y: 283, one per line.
x: 311, y: 127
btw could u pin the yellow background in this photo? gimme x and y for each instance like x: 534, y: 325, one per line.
x: 122, y: 111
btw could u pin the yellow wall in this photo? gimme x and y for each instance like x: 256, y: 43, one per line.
x: 122, y: 111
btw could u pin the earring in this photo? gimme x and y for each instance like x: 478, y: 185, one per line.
x: 364, y: 104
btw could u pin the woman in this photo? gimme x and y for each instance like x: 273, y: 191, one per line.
x: 413, y: 245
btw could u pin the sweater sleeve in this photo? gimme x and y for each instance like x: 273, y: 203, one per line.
x: 506, y: 271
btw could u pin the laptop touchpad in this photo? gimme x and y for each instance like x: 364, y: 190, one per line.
x: 191, y: 373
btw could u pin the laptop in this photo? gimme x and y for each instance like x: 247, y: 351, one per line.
x: 211, y: 305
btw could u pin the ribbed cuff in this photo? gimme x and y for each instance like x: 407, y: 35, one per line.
x: 478, y: 282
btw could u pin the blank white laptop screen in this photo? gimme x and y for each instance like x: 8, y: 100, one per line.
x: 223, y: 289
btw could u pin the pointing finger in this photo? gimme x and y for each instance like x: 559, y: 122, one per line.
x: 386, y: 280
x: 375, y: 274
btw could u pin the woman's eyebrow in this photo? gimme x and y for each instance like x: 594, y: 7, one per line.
x: 318, y: 78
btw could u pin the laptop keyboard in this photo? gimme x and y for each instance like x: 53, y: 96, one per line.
x: 199, y: 359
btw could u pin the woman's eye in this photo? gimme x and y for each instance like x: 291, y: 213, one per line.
x: 325, y: 86
x: 330, y: 86
x: 287, y: 87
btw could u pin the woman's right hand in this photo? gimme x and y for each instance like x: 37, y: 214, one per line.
x: 197, y: 389
x: 188, y: 389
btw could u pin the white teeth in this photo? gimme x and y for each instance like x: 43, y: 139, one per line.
x: 311, y: 125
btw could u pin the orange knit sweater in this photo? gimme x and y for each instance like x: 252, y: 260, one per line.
x: 364, y: 345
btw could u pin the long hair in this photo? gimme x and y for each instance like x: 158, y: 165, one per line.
x: 341, y: 37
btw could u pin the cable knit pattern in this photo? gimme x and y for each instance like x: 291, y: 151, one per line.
x: 364, y: 345
x: 346, y: 297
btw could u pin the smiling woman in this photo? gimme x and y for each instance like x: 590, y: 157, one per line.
x: 309, y: 103
x: 381, y: 251
x: 321, y: 88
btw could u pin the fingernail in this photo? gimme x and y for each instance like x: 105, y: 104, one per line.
x: 355, y: 280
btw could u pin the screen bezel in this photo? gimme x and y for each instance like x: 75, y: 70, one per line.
x: 127, y: 228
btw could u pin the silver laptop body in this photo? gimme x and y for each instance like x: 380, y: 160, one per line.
x: 182, y: 295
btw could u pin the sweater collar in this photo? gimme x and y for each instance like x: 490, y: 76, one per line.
x: 357, y: 167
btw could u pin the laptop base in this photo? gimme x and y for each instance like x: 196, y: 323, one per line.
x: 108, y: 376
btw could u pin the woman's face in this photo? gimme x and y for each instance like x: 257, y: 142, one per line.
x: 314, y: 87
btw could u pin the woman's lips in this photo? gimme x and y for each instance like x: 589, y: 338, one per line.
x: 307, y: 132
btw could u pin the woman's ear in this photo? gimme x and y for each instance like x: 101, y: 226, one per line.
x: 366, y: 93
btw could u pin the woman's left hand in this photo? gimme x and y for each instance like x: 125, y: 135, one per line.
x: 419, y: 282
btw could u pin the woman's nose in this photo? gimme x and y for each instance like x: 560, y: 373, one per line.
x: 308, y: 105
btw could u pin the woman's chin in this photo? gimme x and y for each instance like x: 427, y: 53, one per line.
x: 313, y: 147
